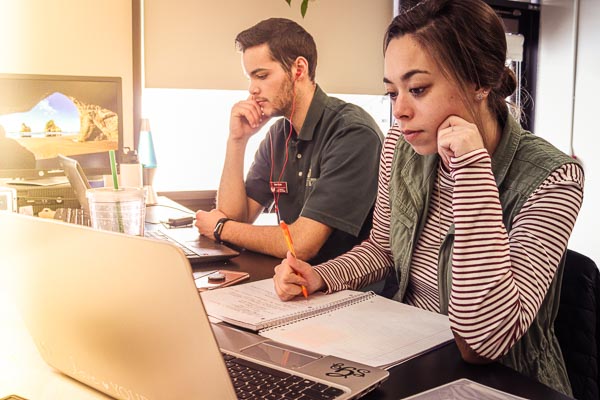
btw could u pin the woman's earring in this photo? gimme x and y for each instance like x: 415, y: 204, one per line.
x: 481, y: 95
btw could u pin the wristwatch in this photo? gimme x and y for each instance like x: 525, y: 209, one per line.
x: 219, y: 228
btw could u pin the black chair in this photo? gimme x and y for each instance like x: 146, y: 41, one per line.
x: 577, y: 324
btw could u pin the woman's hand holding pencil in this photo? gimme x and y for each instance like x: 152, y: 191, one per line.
x: 294, y: 277
x: 290, y: 246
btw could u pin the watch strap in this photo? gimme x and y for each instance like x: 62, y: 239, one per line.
x: 219, y: 228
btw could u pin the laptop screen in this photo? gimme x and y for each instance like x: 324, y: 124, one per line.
x: 77, y: 179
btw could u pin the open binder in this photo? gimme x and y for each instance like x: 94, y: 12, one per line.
x: 359, y: 326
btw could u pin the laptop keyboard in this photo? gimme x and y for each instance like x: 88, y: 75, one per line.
x: 161, y: 236
x: 255, y: 381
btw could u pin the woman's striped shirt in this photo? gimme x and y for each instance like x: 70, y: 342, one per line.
x: 499, y: 279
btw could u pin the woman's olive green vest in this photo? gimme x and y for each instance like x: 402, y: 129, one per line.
x: 521, y: 162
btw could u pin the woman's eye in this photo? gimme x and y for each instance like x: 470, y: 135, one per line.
x: 392, y: 95
x: 417, y: 91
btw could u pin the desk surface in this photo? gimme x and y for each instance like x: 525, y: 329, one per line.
x: 23, y: 372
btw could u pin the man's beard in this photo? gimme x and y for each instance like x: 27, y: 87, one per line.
x: 283, y: 104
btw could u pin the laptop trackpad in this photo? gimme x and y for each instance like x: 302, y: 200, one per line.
x: 257, y: 347
x: 278, y: 355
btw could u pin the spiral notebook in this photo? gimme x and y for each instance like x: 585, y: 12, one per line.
x: 360, y: 326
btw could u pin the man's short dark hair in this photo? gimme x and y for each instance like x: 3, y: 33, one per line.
x: 286, y: 39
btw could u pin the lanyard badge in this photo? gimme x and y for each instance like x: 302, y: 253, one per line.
x: 279, y: 187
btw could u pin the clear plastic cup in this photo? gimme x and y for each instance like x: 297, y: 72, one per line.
x: 121, y: 210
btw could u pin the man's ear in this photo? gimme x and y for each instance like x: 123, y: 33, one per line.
x: 301, y: 65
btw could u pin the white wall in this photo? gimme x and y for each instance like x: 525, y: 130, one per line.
x: 70, y: 37
x: 565, y: 98
x: 189, y: 44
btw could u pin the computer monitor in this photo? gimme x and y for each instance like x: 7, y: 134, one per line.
x: 47, y: 115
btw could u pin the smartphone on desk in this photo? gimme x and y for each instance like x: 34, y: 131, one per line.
x: 208, y: 280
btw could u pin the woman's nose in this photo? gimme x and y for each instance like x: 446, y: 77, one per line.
x: 402, y: 107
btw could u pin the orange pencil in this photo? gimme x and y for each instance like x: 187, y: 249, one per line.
x: 290, y: 245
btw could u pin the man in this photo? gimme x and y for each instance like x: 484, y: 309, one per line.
x: 317, y: 166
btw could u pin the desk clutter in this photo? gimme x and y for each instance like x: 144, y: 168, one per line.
x: 71, y: 215
x: 51, y: 197
x: 464, y: 389
x: 348, y: 324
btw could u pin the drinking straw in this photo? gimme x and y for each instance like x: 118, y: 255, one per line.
x: 113, y: 170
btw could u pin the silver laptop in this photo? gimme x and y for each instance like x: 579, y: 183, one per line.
x: 197, y: 248
x: 122, y: 314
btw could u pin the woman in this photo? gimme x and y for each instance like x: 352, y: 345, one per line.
x: 473, y: 213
